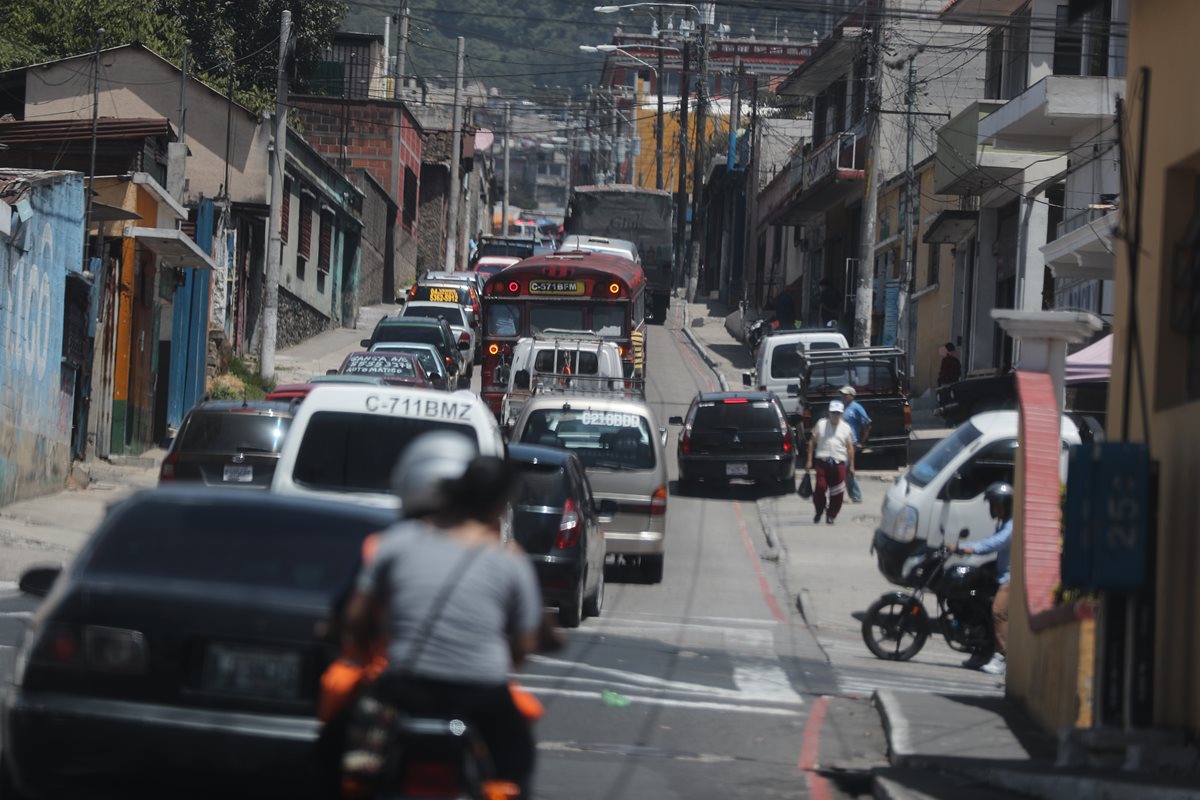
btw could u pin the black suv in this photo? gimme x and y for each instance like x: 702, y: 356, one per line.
x: 736, y: 435
x: 423, y: 330
x: 228, y: 443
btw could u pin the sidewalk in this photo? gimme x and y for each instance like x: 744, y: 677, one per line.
x: 325, y: 351
x: 950, y: 731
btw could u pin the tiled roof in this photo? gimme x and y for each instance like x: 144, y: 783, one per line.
x: 63, y: 130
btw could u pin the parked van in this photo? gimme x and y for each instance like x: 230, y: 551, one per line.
x: 577, y: 359
x: 345, y: 440
x: 778, y: 365
x: 943, y: 492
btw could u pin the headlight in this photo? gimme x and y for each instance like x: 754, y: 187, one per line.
x: 904, y: 529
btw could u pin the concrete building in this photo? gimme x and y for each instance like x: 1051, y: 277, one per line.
x: 1037, y: 155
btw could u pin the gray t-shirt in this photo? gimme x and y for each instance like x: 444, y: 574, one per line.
x: 497, y: 596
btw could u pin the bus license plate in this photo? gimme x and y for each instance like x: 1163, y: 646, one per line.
x: 737, y: 469
x: 239, y: 473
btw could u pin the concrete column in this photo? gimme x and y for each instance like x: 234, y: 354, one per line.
x: 1043, y: 337
x: 1031, y: 264
x: 983, y: 329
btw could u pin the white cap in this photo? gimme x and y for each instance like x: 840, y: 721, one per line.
x: 837, y: 407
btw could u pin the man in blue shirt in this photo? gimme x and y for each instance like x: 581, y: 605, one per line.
x: 1000, y: 502
x: 860, y: 423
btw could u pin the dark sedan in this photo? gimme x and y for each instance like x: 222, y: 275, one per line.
x: 736, y: 436
x: 556, y: 521
x: 181, y: 651
x: 228, y: 443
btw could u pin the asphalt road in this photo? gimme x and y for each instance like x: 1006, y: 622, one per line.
x: 701, y: 686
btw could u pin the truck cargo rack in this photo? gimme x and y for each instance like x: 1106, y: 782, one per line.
x: 595, y: 385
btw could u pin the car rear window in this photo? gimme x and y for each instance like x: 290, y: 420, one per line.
x: 344, y: 451
x: 785, y: 362
x: 760, y: 415
x: 864, y: 375
x: 232, y: 432
x: 265, y: 547
x: 542, y: 485
x: 452, y: 315
x: 426, y: 334
x: 383, y: 364
x: 430, y: 362
x: 579, y: 362
x: 605, y: 439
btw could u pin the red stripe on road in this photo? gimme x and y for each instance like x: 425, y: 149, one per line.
x: 763, y: 585
x: 810, y: 752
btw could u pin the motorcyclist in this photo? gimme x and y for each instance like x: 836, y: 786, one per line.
x: 459, y: 609
x: 999, y: 497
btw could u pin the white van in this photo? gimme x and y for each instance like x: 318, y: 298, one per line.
x: 943, y: 492
x: 345, y: 440
x: 601, y: 244
x: 778, y: 365
x: 582, y: 360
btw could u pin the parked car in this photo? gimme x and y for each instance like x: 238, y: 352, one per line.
x: 620, y: 446
x: 180, y: 652
x: 415, y: 330
x: 427, y: 354
x: 460, y: 324
x: 395, y: 368
x: 736, y: 436
x: 780, y: 359
x: 345, y: 440
x: 228, y: 443
x: 556, y: 521
x: 298, y: 391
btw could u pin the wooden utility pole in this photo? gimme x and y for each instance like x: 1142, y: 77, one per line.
x: 695, y: 242
x: 658, y: 121
x: 681, y: 198
x: 455, y: 158
x: 507, y: 136
x: 270, y: 318
x: 91, y: 189
x: 865, y: 289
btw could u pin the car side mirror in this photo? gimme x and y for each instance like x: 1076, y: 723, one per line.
x: 675, y: 420
x: 521, y: 380
x: 964, y: 533
x: 364, y: 343
x: 793, y: 390
x: 606, y: 508
x: 38, y: 581
x: 747, y: 379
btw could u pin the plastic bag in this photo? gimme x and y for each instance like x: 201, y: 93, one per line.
x: 805, y: 490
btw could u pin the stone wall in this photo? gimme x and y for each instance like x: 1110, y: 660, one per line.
x: 431, y: 233
x: 298, y: 320
x: 376, y: 264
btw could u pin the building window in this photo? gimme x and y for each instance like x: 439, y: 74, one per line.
x: 994, y: 68
x: 935, y: 258
x: 304, y: 248
x: 1068, y: 43
x: 301, y: 263
x: 1016, y: 71
x: 286, y: 211
x: 324, y: 246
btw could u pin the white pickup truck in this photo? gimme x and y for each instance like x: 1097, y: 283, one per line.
x: 581, y: 361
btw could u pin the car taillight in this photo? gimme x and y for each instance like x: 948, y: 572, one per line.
x: 685, y: 441
x: 787, y: 442
x: 98, y: 648
x: 735, y: 400
x: 431, y: 779
x: 167, y: 471
x: 568, y: 528
x: 464, y: 337
x: 658, y: 502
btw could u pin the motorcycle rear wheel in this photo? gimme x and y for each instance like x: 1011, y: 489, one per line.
x: 895, y: 628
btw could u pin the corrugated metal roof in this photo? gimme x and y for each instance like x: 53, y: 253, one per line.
x: 65, y: 130
x: 15, y: 182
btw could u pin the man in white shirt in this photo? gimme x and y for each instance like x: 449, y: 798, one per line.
x: 831, y: 450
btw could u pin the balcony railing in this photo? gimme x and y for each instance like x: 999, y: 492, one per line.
x: 839, y: 152
x: 1078, y: 219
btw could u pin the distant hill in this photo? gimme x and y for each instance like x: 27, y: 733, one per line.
x: 520, y: 47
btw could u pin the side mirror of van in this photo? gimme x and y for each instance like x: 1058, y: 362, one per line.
x: 747, y: 379
x: 675, y: 420
x: 365, y: 343
x: 965, y: 533
x: 521, y: 380
x: 793, y: 390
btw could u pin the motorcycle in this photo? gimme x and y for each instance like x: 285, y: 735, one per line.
x: 896, y: 626
x: 755, y: 333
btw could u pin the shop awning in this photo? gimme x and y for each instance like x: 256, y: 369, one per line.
x: 1091, y: 364
x: 174, y: 247
x: 103, y: 212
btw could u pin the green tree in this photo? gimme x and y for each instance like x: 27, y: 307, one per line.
x: 32, y: 31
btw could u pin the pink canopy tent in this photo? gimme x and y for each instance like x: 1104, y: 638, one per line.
x: 1091, y: 364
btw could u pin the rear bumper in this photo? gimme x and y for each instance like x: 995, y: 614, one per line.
x: 758, y: 468
x: 639, y: 543
x: 557, y: 576
x: 77, y: 746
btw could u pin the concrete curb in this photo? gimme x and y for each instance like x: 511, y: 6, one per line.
x: 702, y: 350
x: 895, y: 725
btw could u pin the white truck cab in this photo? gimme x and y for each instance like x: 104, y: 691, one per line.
x: 778, y: 363
x: 575, y: 357
x: 943, y: 492
x: 345, y: 439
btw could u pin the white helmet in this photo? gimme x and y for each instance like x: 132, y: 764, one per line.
x: 423, y: 477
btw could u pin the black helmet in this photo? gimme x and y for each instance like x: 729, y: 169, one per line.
x: 1000, y: 492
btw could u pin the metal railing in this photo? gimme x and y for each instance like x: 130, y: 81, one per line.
x: 831, y: 156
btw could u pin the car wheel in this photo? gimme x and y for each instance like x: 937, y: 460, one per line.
x: 570, y: 613
x: 593, y: 604
x: 652, y: 568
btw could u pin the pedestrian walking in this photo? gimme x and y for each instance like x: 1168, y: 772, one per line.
x: 950, y: 370
x: 831, y: 451
x: 860, y: 424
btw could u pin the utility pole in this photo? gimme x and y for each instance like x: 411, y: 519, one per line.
x: 865, y: 290
x: 910, y: 209
x: 455, y: 158
x: 735, y: 112
x: 507, y: 136
x: 402, y: 49
x: 91, y: 189
x: 183, y: 75
x: 270, y: 319
x: 681, y: 206
x: 698, y: 167
x: 658, y: 121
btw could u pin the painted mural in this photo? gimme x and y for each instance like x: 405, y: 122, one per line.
x: 43, y: 246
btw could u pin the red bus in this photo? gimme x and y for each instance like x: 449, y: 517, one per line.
x: 576, y: 291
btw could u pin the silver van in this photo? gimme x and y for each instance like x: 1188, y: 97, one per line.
x: 622, y: 449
